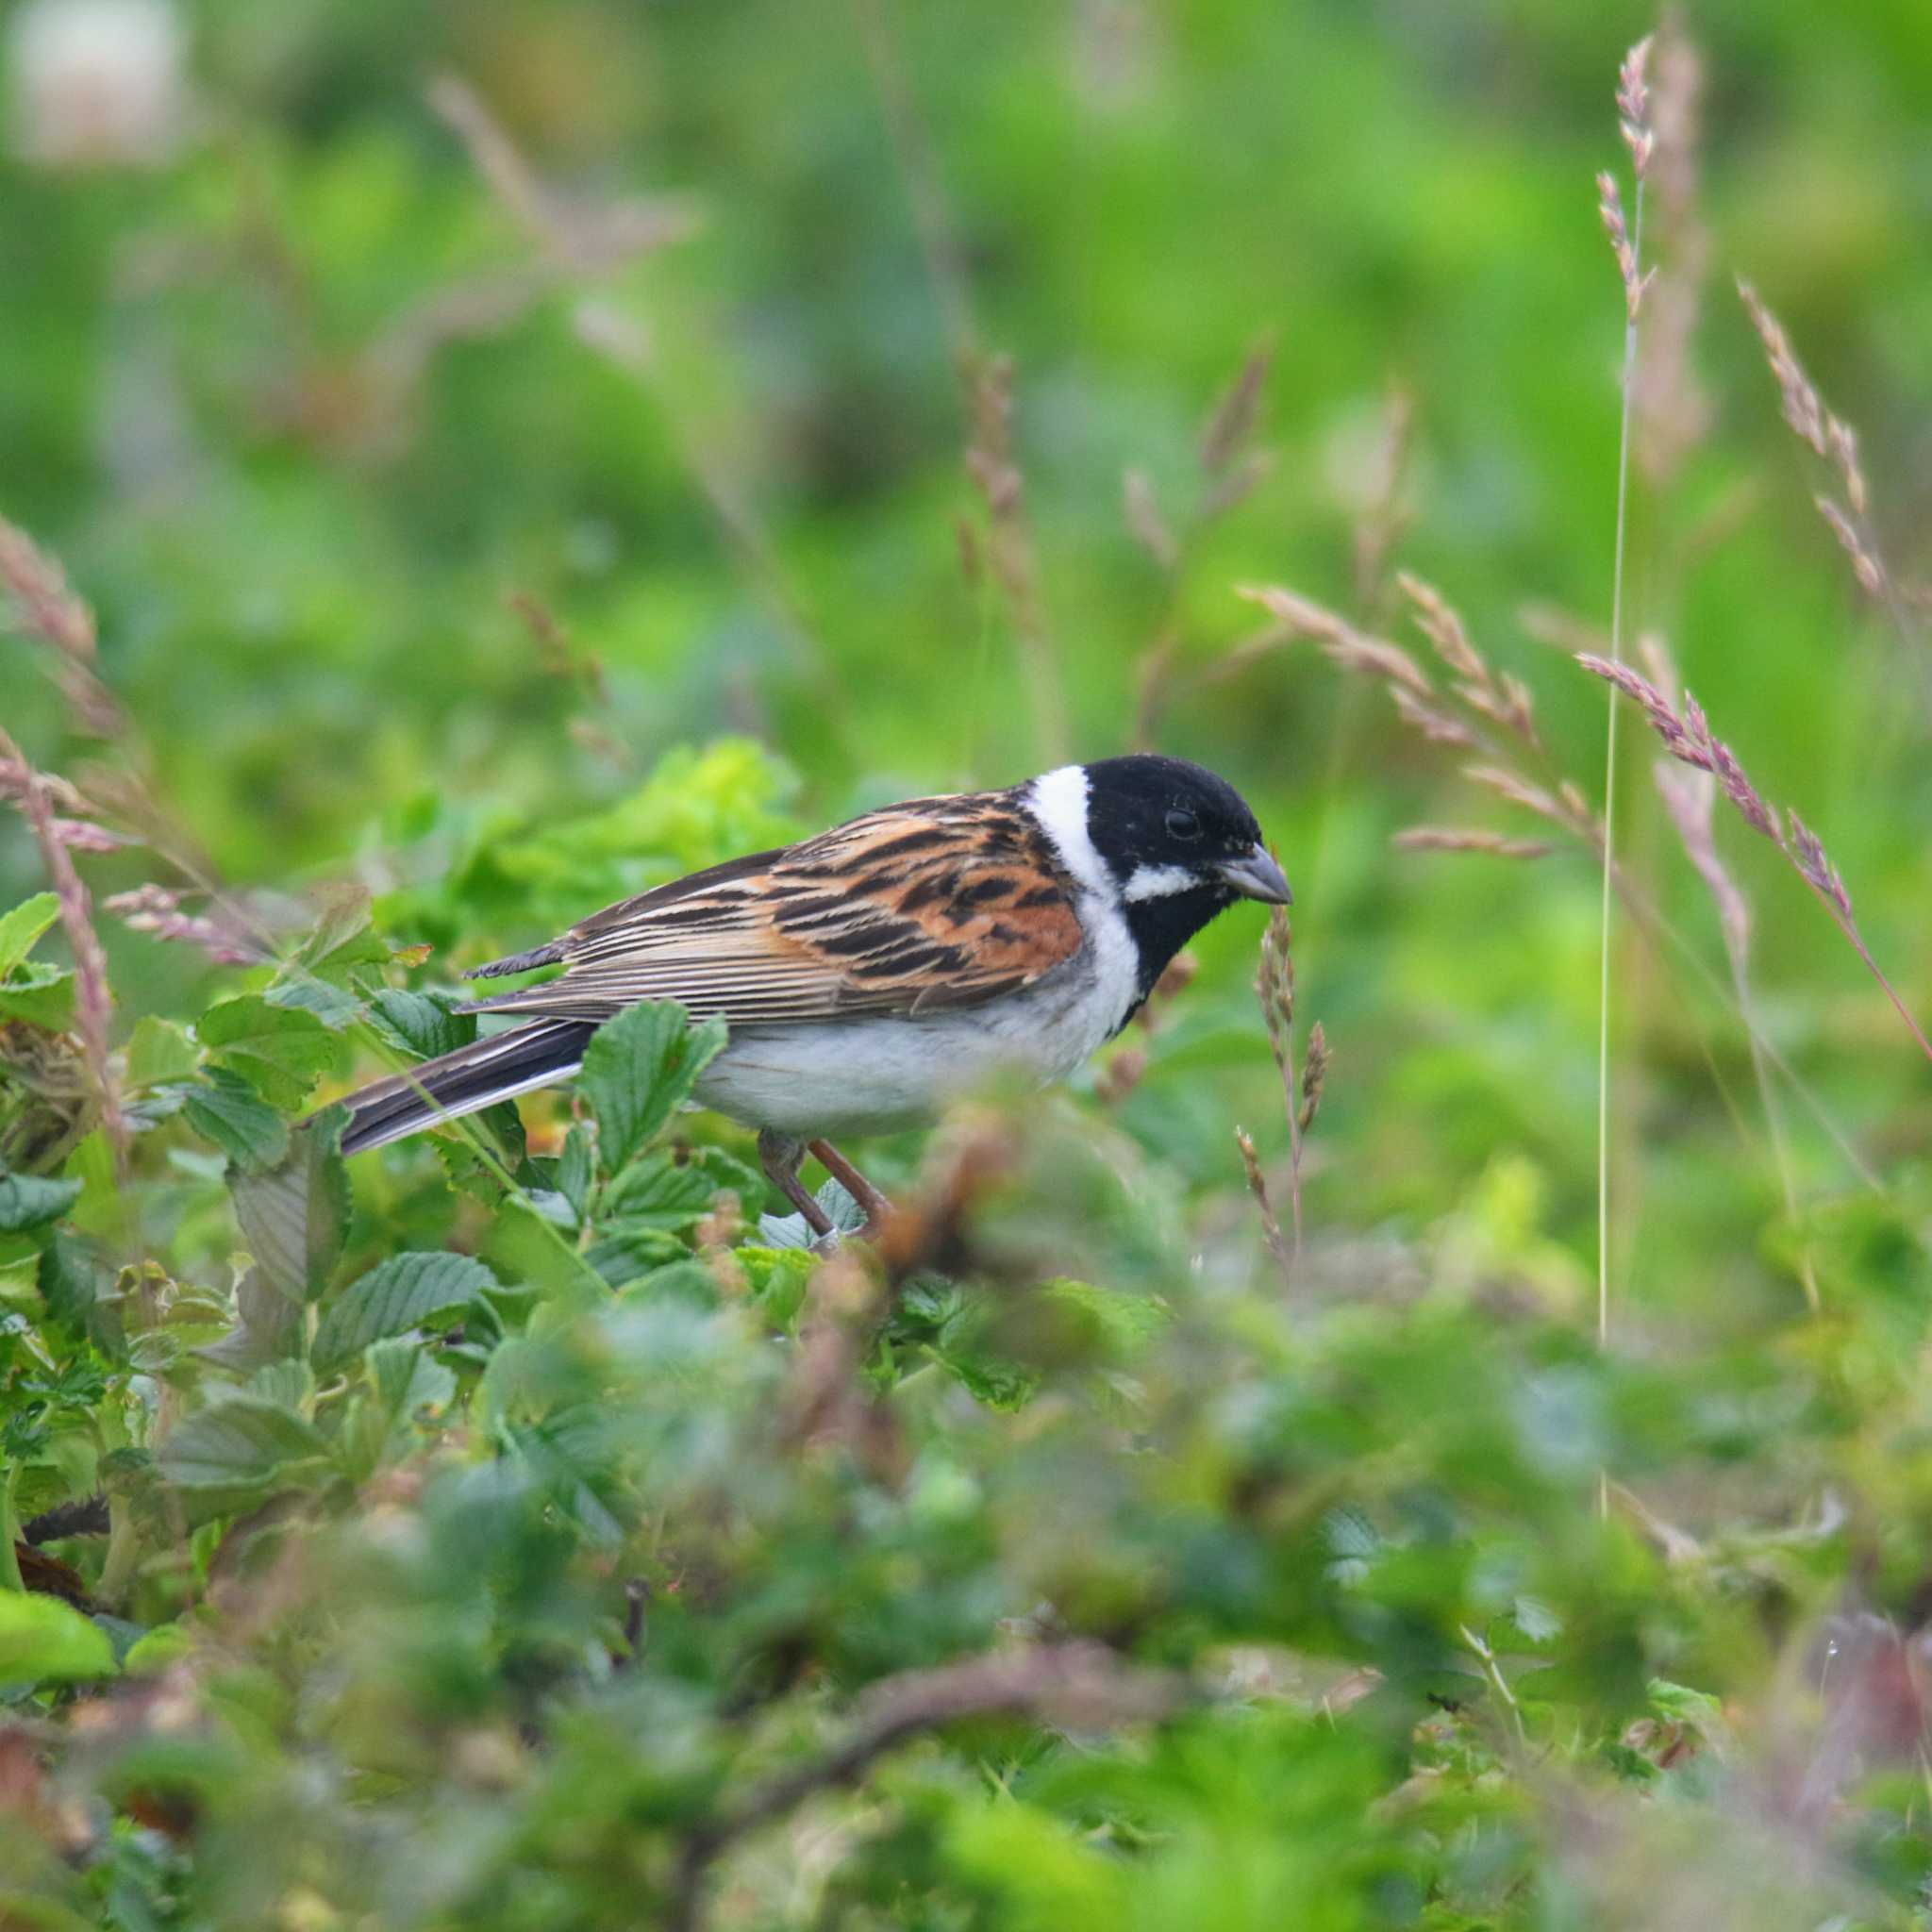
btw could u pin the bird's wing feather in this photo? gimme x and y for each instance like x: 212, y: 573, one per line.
x: 940, y: 903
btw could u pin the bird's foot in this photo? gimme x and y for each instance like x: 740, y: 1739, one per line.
x: 781, y: 1155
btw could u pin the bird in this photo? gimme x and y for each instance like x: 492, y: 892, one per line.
x: 873, y: 973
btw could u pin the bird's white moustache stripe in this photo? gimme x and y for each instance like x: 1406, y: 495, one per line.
x: 1158, y: 882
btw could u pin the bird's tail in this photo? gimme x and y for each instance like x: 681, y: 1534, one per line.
x: 474, y: 1077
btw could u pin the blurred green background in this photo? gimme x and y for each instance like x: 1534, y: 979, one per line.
x: 303, y: 405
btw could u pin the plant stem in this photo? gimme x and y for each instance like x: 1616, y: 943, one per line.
x: 124, y: 1553
x: 1603, y: 1043
x: 1871, y: 965
x: 10, y: 1577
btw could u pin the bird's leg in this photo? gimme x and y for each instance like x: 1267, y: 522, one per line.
x: 874, y: 1204
x: 781, y: 1156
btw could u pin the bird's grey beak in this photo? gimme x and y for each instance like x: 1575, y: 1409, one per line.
x: 1256, y: 875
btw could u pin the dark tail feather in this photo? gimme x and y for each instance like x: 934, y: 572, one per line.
x: 472, y: 1076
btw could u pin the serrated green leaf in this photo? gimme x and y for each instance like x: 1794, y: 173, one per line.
x: 625, y: 1250
x: 405, y: 1377
x: 280, y: 1050
x: 295, y: 1215
x: 422, y: 1023
x: 21, y: 928
x: 336, y: 1007
x: 242, y: 1442
x: 44, y: 1641
x: 1682, y: 1705
x: 406, y: 1292
x: 289, y: 1385
x: 639, y: 1068
x: 39, y: 994
x: 225, y: 1109
x: 576, y: 1168
x: 30, y: 1201
x: 777, y: 1278
x: 665, y: 1190
x: 80, y: 1291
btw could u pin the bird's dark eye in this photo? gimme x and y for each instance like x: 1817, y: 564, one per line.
x: 1182, y: 823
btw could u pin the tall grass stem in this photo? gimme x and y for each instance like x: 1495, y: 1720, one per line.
x: 1603, y: 1043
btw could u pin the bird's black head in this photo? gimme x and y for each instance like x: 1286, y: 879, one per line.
x: 1180, y: 844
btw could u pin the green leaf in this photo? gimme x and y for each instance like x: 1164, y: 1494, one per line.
x: 45, y: 1640
x: 225, y: 1109
x: 1681, y: 1704
x: 625, y: 1250
x: 406, y: 1292
x: 1121, y: 1323
x: 777, y: 1278
x: 157, y: 1051
x: 20, y: 930
x: 295, y: 1215
x: 422, y: 1023
x: 280, y: 1050
x: 165, y: 1644
x: 240, y: 1443
x: 639, y: 1068
x: 527, y: 1248
x: 405, y: 1379
x: 341, y: 938
x: 81, y: 1294
x: 270, y: 1328
x: 683, y: 1279
x: 399, y: 1381
x: 334, y: 1005
x: 665, y: 1190
x: 576, y: 1169
x: 29, y: 1201
x: 41, y: 995
x: 1536, y: 1620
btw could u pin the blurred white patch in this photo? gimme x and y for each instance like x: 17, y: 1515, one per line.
x: 96, y: 83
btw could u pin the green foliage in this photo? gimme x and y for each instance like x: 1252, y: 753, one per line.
x: 639, y: 1068
x: 42, y: 1641
x: 27, y: 1202
x: 405, y: 1293
x: 22, y: 926
x: 278, y: 1050
x: 525, y: 1526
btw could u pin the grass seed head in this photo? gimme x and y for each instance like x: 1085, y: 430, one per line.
x: 1610, y: 206
x: 1815, y: 866
x: 1460, y: 839
x: 1798, y: 399
x: 1633, y: 106
x: 1315, y: 1077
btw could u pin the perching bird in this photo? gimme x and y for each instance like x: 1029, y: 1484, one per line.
x: 874, y: 972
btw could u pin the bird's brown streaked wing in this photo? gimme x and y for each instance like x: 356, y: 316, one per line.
x: 935, y: 903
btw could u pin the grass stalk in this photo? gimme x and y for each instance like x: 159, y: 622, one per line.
x: 1602, y: 1039
x: 1633, y: 109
